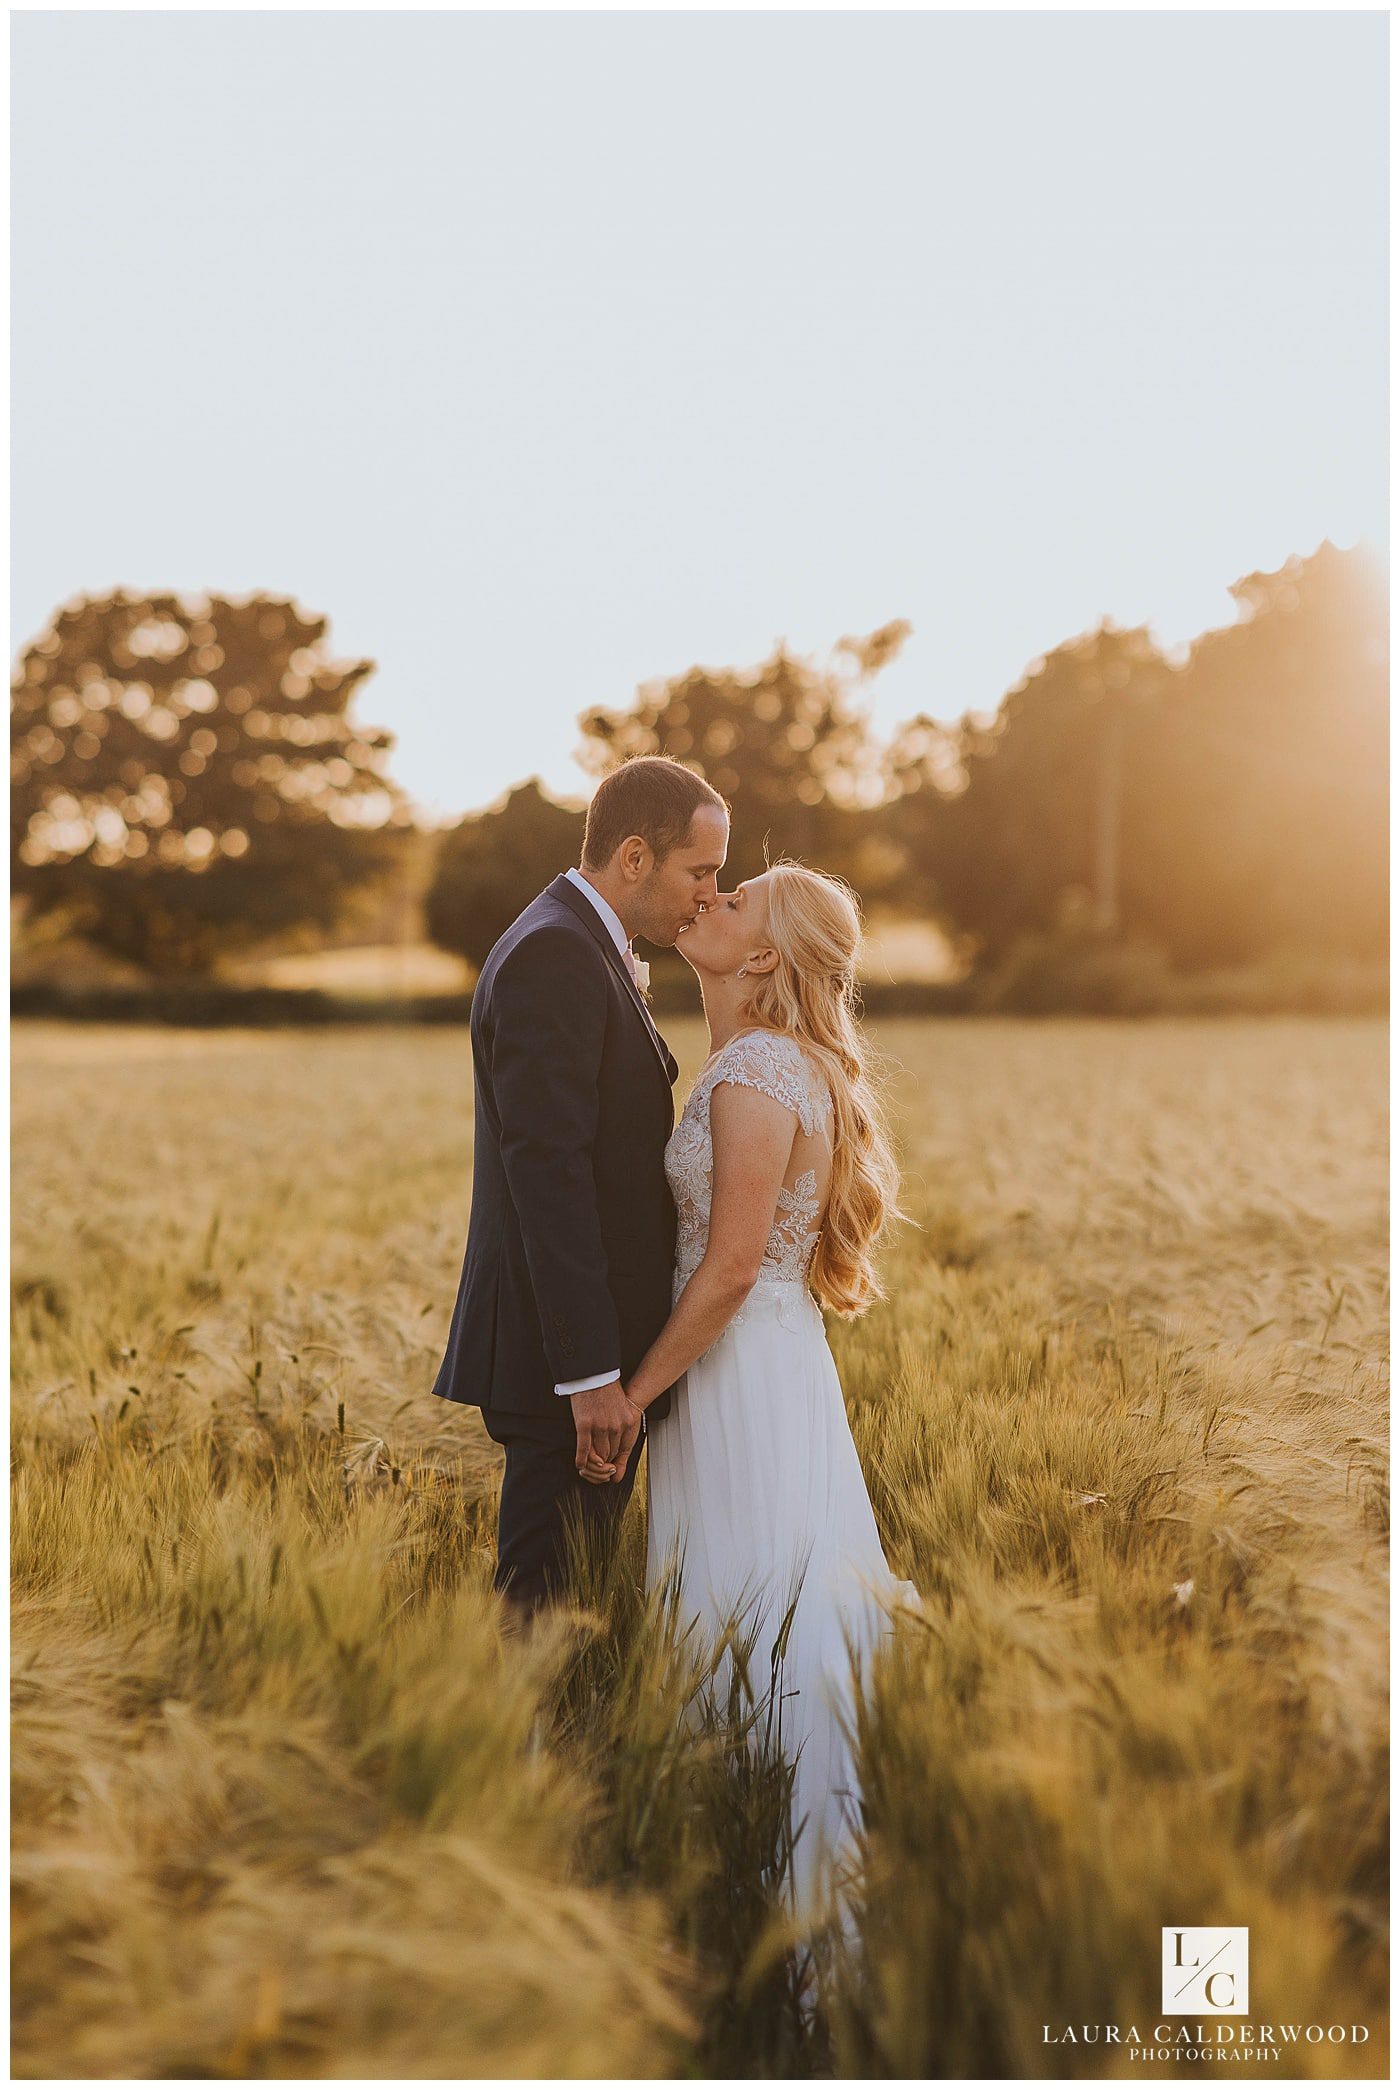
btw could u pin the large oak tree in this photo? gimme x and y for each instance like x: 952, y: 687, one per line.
x: 187, y: 779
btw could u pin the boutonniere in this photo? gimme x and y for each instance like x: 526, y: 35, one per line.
x: 643, y: 972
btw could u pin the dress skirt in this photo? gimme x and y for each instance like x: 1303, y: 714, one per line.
x: 756, y: 1495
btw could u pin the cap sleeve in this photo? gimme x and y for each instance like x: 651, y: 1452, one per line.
x: 778, y: 1067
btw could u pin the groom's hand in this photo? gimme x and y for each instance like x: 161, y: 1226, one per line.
x: 604, y: 1424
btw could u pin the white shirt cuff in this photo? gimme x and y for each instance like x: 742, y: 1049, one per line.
x: 584, y: 1385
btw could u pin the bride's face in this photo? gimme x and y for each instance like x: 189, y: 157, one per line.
x: 730, y: 932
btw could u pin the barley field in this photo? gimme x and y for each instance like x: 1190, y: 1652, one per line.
x: 288, y: 1800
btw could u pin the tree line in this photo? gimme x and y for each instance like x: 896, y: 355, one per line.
x: 1221, y: 806
x: 187, y: 781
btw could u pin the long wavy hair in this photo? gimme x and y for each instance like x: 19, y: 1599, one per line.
x: 810, y: 995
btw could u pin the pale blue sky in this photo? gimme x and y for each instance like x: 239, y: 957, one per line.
x: 547, y: 354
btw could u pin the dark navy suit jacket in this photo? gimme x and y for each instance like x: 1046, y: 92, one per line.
x: 571, y: 1241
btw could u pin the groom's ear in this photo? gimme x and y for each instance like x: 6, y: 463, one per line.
x: 634, y: 858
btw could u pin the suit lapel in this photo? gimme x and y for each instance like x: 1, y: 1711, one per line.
x: 562, y: 888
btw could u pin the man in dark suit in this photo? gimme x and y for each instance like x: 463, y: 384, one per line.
x: 566, y: 1281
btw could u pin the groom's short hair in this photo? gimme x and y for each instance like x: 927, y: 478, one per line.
x: 653, y: 796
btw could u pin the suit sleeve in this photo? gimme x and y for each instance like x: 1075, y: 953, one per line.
x: 550, y: 1008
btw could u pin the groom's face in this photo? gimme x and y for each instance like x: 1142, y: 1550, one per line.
x: 673, y: 892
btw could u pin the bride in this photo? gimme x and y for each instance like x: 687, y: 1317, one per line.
x: 783, y: 1179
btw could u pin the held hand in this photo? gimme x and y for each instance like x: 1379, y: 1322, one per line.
x: 598, y: 1470
x: 606, y: 1425
x: 600, y: 1474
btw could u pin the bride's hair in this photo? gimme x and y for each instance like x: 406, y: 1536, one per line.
x: 814, y: 925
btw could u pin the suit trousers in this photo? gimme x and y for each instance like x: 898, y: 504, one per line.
x: 541, y: 1495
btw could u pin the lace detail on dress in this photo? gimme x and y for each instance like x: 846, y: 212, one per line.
x: 794, y: 1235
x: 776, y: 1065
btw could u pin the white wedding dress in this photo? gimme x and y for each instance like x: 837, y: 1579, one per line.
x: 755, y: 1490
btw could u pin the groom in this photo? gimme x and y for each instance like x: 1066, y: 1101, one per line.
x: 566, y: 1280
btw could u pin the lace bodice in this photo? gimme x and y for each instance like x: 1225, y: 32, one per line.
x: 777, y: 1066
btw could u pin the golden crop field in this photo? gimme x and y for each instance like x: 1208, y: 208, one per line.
x: 288, y: 1802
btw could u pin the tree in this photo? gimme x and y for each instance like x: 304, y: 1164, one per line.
x: 186, y: 780
x: 1008, y: 822
x: 785, y: 743
x: 1220, y: 809
x: 492, y: 864
x: 1256, y: 802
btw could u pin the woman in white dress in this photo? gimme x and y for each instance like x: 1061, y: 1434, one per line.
x: 783, y: 1179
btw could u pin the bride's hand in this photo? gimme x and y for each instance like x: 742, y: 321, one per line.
x: 597, y: 1470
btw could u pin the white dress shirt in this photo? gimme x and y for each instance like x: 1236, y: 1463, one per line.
x: 619, y: 937
x: 609, y: 918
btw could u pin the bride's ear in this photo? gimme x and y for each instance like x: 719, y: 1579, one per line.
x: 764, y: 959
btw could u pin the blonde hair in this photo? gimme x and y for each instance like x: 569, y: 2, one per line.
x: 810, y: 995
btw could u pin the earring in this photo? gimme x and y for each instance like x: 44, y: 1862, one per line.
x: 740, y: 973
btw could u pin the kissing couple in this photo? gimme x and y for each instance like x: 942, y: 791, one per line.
x: 628, y: 1279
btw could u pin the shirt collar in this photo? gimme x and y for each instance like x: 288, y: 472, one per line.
x: 614, y: 927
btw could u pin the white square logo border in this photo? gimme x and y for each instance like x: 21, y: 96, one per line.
x: 1205, y: 1970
